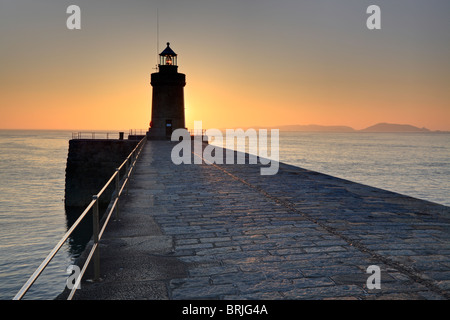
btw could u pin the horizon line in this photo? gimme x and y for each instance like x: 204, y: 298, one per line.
x: 255, y: 127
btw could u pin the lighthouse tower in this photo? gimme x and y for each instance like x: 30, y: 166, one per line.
x: 168, y: 97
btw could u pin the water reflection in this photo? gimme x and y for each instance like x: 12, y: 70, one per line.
x: 82, y: 234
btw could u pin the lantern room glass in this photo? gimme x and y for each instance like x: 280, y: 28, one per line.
x: 168, y: 60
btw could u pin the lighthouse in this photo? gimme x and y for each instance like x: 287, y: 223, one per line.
x: 168, y: 97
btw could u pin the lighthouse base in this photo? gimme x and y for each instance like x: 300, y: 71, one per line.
x: 155, y: 134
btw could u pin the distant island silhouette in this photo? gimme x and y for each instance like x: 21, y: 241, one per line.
x: 389, y: 127
x: 379, y: 127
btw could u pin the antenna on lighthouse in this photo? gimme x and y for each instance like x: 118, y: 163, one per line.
x: 157, y: 38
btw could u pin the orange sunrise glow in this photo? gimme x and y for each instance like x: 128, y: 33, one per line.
x: 245, y: 65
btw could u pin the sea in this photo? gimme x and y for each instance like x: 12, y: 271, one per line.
x: 32, y: 177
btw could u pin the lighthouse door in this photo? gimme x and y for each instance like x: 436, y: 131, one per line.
x: 168, y: 128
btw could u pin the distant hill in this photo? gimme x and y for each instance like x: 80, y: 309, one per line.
x: 316, y: 128
x: 389, y: 127
x: 379, y: 127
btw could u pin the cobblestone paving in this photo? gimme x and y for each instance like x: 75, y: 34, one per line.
x: 226, y: 232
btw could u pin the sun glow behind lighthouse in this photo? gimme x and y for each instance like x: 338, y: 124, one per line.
x: 249, y: 63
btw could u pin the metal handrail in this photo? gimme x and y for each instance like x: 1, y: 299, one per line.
x: 137, y: 132
x: 97, y: 234
x: 88, y: 135
x: 197, y: 132
x: 96, y: 135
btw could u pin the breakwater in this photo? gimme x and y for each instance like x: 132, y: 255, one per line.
x: 226, y: 232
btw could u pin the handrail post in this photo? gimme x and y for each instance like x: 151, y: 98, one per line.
x: 117, y: 192
x: 96, y: 230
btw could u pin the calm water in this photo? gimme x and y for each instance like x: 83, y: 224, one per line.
x: 415, y: 164
x: 32, y: 174
x: 32, y: 216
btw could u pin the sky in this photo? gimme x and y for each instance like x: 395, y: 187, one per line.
x: 247, y: 63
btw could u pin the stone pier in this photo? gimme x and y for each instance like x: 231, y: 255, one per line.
x: 226, y: 232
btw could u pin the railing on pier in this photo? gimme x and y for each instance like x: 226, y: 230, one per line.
x: 107, y: 135
x: 197, y: 132
x: 128, y: 164
x: 137, y: 132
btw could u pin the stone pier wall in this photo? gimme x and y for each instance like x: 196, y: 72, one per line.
x: 90, y: 164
